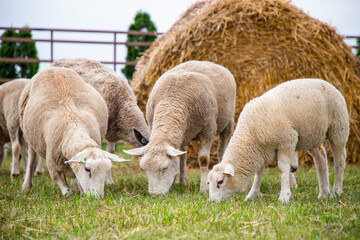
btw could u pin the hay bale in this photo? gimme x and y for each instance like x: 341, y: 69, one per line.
x: 263, y: 43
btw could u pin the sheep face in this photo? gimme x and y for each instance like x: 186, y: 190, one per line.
x: 92, y: 167
x: 222, y: 182
x: 161, y: 164
x: 161, y: 169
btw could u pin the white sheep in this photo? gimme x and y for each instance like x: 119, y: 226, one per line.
x: 124, y: 113
x: 194, y: 100
x: 297, y: 115
x: 64, y: 120
x: 9, y: 122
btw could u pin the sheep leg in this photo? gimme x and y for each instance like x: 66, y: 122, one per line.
x: 320, y: 160
x: 246, y: 184
x: 109, y: 180
x: 1, y: 154
x: 183, y: 175
x: 23, y: 151
x: 110, y: 147
x: 204, y: 160
x: 39, y: 165
x: 60, y: 179
x: 284, y: 159
x: 224, y: 140
x: 339, y: 153
x: 29, y: 170
x: 75, y: 185
x: 15, y: 158
x: 255, y: 189
x: 293, y: 169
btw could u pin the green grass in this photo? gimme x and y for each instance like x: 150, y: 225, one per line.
x: 127, y: 211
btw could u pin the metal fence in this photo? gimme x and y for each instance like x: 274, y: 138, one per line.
x: 52, y: 41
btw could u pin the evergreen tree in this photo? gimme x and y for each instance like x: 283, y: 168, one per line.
x: 27, y: 50
x: 358, y: 50
x: 18, y: 50
x: 142, y: 23
x: 8, y: 50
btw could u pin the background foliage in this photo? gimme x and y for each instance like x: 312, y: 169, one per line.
x: 18, y: 50
x: 142, y: 22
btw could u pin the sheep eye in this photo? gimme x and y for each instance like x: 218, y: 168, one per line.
x: 165, y: 168
x: 219, y: 183
x: 86, y: 169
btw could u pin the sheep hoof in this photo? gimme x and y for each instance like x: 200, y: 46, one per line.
x: 284, y: 198
x: 38, y: 173
x: 183, y: 181
x: 324, y: 195
x: 336, y: 193
x: 15, y: 174
x: 26, y: 188
x: 248, y: 199
x: 251, y: 196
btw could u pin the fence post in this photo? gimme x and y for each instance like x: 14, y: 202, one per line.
x: 114, y: 51
x: 51, y: 45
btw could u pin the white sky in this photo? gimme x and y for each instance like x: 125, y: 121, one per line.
x: 119, y: 14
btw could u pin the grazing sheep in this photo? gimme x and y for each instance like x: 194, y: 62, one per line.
x: 297, y: 115
x: 194, y: 100
x: 124, y: 113
x: 64, y: 120
x: 9, y: 123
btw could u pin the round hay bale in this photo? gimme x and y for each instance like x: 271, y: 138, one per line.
x: 263, y: 43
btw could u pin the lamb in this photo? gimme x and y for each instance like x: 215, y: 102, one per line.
x: 64, y: 120
x: 194, y: 100
x: 124, y: 113
x: 9, y: 123
x: 298, y: 115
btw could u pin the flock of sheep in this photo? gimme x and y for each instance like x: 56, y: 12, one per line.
x: 65, y: 111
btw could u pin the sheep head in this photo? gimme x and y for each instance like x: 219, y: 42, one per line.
x: 92, y: 167
x: 223, y: 182
x: 160, y: 163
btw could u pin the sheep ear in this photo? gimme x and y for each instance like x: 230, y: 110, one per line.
x: 140, y: 138
x: 115, y: 158
x: 135, y: 151
x: 78, y: 158
x: 229, y: 170
x: 171, y: 151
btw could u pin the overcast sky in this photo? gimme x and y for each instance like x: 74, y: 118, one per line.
x: 119, y: 14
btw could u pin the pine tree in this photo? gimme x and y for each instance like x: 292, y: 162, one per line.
x: 142, y: 23
x: 8, y: 50
x: 27, y: 50
x: 18, y: 50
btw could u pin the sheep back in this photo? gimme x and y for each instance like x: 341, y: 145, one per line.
x: 201, y: 91
x: 57, y: 100
x: 124, y: 114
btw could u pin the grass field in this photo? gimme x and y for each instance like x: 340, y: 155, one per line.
x: 128, y: 211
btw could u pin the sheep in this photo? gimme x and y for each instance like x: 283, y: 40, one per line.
x: 124, y: 113
x: 64, y: 120
x: 298, y: 115
x: 9, y: 123
x: 194, y: 100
